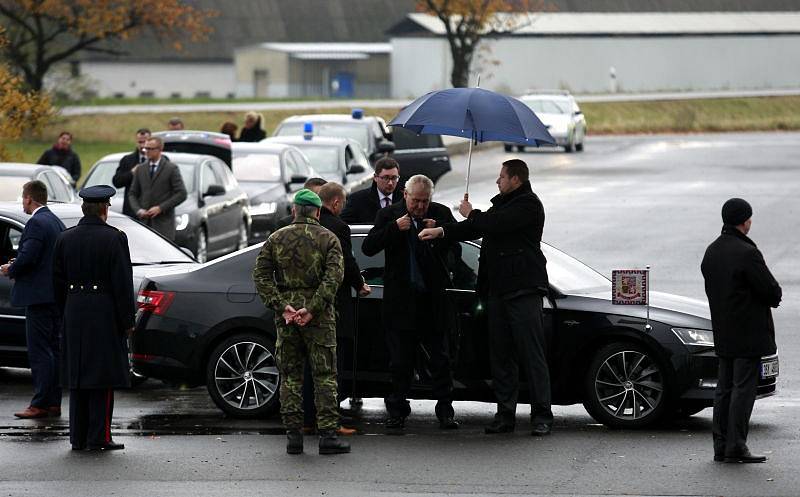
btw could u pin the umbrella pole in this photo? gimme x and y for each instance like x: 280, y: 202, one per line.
x: 469, y: 168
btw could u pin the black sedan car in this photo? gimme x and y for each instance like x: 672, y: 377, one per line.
x: 209, y: 326
x: 213, y: 220
x: 150, y: 254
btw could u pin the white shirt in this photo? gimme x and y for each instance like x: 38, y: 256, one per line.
x: 35, y: 210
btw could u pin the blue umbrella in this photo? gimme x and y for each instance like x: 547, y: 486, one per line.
x: 475, y: 113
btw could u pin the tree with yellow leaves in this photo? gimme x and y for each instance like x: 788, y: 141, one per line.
x: 42, y: 33
x: 20, y: 110
x: 466, y: 22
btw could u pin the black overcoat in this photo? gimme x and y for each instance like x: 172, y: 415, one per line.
x: 399, y: 305
x: 352, y: 274
x: 123, y: 178
x: 95, y: 256
x: 740, y: 291
x: 511, y: 257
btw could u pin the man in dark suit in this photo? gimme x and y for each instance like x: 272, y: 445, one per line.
x: 127, y: 167
x: 415, y: 306
x: 156, y: 190
x: 740, y: 290
x: 93, y: 283
x: 512, y: 278
x: 363, y: 205
x: 32, y: 272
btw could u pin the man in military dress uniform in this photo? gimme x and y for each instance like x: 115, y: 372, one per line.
x: 297, y: 273
x: 93, y: 285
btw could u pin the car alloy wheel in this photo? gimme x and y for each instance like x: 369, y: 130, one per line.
x: 201, y: 254
x: 625, y: 386
x: 242, y: 239
x: 242, y: 376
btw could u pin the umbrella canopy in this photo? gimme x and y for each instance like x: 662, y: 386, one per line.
x: 475, y: 113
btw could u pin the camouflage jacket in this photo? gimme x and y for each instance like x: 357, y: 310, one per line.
x: 300, y: 265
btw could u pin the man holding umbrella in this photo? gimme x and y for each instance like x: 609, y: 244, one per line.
x: 512, y: 277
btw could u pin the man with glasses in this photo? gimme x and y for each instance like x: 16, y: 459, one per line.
x: 127, y: 166
x: 363, y: 205
x: 157, y: 188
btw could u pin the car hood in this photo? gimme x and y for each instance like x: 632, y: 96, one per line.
x: 263, y: 191
x: 152, y: 270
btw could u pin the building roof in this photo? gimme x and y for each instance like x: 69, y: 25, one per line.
x: 328, y: 51
x: 616, y: 24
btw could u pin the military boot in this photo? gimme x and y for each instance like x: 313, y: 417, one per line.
x: 294, y: 442
x: 329, y: 443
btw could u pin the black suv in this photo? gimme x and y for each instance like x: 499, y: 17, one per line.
x: 417, y: 154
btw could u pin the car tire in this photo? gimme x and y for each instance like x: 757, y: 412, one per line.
x: 508, y: 148
x: 242, y: 238
x: 579, y: 147
x: 520, y: 148
x: 570, y: 146
x: 201, y: 250
x: 242, y: 376
x: 136, y: 378
x: 626, y: 386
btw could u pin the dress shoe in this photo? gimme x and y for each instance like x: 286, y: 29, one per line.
x: 719, y: 458
x: 54, y: 411
x: 78, y: 447
x: 448, y: 424
x: 32, y: 412
x: 309, y: 430
x: 541, y: 429
x: 329, y: 443
x: 746, y: 457
x: 106, y: 447
x: 294, y: 442
x: 345, y: 432
x: 498, y: 427
x: 396, y: 423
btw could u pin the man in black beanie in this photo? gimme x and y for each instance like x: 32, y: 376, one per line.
x: 740, y: 292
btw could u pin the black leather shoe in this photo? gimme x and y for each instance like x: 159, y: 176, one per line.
x: 396, y: 423
x: 719, y: 458
x: 78, y: 447
x: 106, y: 447
x: 498, y: 427
x: 448, y: 424
x: 541, y: 429
x: 746, y: 457
x: 329, y: 443
x: 294, y: 442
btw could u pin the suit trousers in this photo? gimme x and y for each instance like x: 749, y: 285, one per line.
x: 90, y: 412
x: 403, y: 345
x: 734, y: 397
x: 43, y: 335
x: 517, y: 338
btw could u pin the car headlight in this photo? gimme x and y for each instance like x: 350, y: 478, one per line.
x: 181, y: 222
x: 263, y: 208
x: 691, y: 336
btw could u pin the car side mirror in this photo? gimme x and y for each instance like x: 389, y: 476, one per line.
x: 355, y: 169
x: 578, y: 113
x: 386, y: 147
x: 298, y: 179
x: 214, y: 191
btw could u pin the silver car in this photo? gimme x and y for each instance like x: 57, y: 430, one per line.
x: 560, y: 113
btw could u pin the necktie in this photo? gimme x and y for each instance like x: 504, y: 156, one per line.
x: 386, y: 201
x: 153, y: 166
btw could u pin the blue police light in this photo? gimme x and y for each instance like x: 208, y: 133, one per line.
x: 357, y: 113
x: 308, y: 130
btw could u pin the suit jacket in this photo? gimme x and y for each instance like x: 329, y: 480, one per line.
x: 740, y: 290
x: 399, y: 296
x: 164, y: 189
x: 93, y: 282
x: 352, y: 273
x: 32, y: 270
x: 124, y: 177
x: 362, y: 206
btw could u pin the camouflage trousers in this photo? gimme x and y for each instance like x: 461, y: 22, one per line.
x: 318, y: 344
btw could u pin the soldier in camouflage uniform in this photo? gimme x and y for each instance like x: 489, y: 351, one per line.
x: 297, y: 274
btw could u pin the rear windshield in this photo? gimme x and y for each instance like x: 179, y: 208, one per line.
x: 405, y: 139
x: 222, y: 153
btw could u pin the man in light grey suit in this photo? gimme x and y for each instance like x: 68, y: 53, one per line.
x: 156, y: 190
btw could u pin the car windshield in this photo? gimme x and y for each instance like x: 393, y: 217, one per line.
x: 145, y: 245
x: 257, y: 167
x: 322, y: 159
x: 356, y: 131
x: 570, y: 276
x: 11, y: 187
x: 547, y: 106
x: 103, y: 173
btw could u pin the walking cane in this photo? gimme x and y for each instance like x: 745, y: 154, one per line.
x: 355, y: 402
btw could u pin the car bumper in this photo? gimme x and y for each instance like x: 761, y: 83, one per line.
x: 704, y: 382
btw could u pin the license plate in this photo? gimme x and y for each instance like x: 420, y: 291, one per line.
x: 769, y: 368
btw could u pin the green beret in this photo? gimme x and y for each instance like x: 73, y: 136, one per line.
x: 307, y: 197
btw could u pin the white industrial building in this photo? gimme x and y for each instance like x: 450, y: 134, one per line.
x: 607, y: 52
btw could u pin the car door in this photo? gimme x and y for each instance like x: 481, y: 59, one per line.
x: 231, y: 217
x: 214, y: 207
x: 57, y: 189
x: 13, y: 350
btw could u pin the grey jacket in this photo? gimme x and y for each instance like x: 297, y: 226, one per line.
x: 165, y: 189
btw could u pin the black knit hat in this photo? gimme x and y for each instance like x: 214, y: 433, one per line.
x: 736, y: 211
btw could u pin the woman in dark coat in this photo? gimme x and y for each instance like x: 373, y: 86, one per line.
x: 253, y: 130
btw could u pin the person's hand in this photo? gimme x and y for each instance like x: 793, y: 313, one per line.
x: 364, y: 290
x: 153, y: 211
x: 4, y: 269
x: 465, y: 208
x: 303, y: 317
x: 289, y: 314
x: 129, y: 331
x: 431, y: 233
x: 428, y: 223
x: 404, y: 223
x: 142, y: 214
